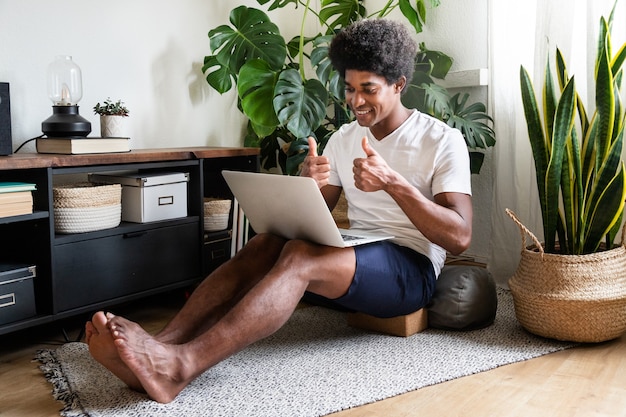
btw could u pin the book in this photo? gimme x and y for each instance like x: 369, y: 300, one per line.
x: 75, y: 146
x: 16, y: 197
x: 16, y: 209
x: 12, y: 187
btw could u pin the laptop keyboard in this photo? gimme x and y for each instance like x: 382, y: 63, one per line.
x: 348, y: 238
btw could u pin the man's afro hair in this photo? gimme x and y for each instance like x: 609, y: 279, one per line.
x: 383, y: 47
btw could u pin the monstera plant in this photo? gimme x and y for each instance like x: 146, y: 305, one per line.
x: 285, y: 104
x: 580, y: 173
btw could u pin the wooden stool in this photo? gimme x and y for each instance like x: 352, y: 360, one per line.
x: 404, y: 326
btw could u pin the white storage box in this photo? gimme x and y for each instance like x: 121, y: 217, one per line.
x: 148, y: 197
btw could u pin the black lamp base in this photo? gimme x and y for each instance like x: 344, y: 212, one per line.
x: 65, y: 122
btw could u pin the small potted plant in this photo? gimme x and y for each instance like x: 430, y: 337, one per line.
x: 112, y: 115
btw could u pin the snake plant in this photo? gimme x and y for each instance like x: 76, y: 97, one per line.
x: 579, y: 170
x: 284, y: 104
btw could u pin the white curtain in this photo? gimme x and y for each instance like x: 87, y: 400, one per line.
x: 527, y: 33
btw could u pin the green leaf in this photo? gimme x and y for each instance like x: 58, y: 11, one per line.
x: 441, y: 63
x: 413, y: 15
x: 320, y: 60
x: 324, y: 69
x: 606, y: 211
x: 563, y: 124
x: 567, y: 192
x: 293, y: 46
x: 256, y: 91
x: 278, y: 4
x: 596, y: 227
x: 536, y: 136
x: 618, y: 61
x: 254, y: 37
x: 436, y: 101
x: 300, y: 106
x: 343, y: 12
x: 605, y: 103
x: 218, y: 76
x: 549, y: 102
x: 298, y: 149
x: 472, y: 122
x: 251, y: 139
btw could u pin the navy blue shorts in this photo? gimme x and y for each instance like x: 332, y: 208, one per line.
x: 390, y: 280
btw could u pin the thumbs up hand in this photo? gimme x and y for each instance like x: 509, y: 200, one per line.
x: 367, y: 148
x: 371, y: 172
x: 315, y: 166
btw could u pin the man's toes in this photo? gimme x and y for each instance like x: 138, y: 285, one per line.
x: 90, y: 331
x: 99, y: 321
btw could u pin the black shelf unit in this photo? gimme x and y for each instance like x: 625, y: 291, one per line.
x: 82, y: 272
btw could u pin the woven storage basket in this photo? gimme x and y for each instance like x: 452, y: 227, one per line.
x: 86, y: 207
x: 216, y: 213
x: 577, y: 298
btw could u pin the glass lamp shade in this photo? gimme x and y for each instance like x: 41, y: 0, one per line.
x: 65, y: 82
x: 65, y: 89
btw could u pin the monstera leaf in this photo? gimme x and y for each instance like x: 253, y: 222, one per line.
x: 343, y: 12
x: 469, y: 120
x: 218, y: 76
x: 256, y: 86
x: 278, y: 4
x: 472, y: 121
x: 324, y: 68
x: 300, y: 105
x: 253, y: 36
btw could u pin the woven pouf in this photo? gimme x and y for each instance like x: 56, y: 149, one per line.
x: 577, y: 298
x: 216, y: 213
x: 86, y: 207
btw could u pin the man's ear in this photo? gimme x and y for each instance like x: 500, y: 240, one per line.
x: 400, y: 84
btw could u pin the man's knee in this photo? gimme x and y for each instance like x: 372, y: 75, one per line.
x: 265, y: 240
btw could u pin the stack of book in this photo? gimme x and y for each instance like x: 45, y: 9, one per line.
x: 16, y: 198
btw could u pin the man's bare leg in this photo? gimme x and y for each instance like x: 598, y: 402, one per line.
x: 165, y: 369
x: 207, y: 304
x: 221, y: 290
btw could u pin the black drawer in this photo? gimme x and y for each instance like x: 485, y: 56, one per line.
x: 215, y: 253
x: 97, y: 270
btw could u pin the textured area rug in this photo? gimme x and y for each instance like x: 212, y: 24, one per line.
x: 313, y: 366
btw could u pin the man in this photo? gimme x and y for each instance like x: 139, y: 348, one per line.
x: 402, y: 172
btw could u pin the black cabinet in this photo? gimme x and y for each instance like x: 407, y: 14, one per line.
x: 81, y: 272
x: 105, y: 269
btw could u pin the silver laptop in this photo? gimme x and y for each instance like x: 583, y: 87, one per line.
x: 291, y: 207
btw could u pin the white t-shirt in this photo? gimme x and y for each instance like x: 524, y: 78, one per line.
x: 432, y: 156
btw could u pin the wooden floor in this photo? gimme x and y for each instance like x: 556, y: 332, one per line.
x: 585, y: 381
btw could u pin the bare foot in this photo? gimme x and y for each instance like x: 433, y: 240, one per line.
x: 103, y: 349
x: 157, y: 366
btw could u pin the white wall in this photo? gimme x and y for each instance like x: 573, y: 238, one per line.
x: 149, y: 54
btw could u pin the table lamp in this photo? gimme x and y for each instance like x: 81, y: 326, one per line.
x: 65, y: 89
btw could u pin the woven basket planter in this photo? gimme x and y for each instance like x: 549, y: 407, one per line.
x: 86, y: 207
x: 216, y: 213
x: 577, y: 298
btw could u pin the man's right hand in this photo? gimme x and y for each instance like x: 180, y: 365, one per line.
x: 315, y: 166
